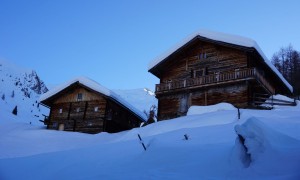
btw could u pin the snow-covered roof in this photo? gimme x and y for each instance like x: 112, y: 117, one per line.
x: 96, y: 87
x: 222, y: 37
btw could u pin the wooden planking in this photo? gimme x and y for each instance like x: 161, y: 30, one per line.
x: 235, y: 94
x: 221, y: 77
x: 217, y: 59
x: 71, y: 95
x: 82, y: 112
x: 93, y: 113
x: 170, y: 106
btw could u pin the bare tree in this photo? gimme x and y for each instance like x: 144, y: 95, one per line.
x: 287, y: 61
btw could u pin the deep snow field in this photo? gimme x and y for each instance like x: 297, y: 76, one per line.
x: 213, y: 150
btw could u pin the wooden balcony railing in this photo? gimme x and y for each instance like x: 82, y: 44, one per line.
x: 214, y: 79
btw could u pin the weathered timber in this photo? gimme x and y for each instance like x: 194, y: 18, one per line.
x: 206, y: 72
x: 92, y: 113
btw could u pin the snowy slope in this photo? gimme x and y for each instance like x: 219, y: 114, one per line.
x: 20, y: 87
x: 213, y: 150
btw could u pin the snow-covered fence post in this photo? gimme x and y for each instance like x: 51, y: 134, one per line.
x: 15, y: 110
x: 186, y: 137
x: 141, y: 141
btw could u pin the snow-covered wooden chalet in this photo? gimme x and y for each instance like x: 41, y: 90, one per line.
x: 210, y: 67
x: 83, y: 105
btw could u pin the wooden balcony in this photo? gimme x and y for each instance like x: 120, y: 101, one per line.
x: 216, y: 79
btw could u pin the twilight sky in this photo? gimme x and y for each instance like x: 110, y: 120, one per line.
x: 113, y: 41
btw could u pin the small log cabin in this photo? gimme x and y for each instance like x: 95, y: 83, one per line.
x: 208, y: 68
x: 85, y: 106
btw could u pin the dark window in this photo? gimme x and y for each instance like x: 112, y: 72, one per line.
x: 79, y: 96
x: 202, y: 56
x: 54, y: 125
x: 192, y: 73
x: 109, y: 114
x: 96, y: 109
x: 199, y: 73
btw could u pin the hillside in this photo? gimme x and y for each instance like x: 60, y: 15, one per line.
x: 212, y: 150
x: 21, y: 88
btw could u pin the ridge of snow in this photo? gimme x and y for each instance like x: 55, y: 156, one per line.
x: 96, y: 87
x: 223, y: 37
x: 193, y: 110
x: 258, y: 137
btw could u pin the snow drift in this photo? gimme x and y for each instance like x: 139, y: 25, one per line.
x: 258, y: 145
x: 193, y: 110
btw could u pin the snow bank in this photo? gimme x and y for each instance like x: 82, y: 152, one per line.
x: 258, y: 138
x: 278, y: 99
x: 282, y: 97
x: 193, y: 110
x: 227, y: 38
x: 28, y: 152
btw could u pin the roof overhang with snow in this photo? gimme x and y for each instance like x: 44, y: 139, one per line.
x: 93, y: 86
x: 228, y: 40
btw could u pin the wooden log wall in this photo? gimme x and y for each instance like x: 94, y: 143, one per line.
x: 92, y: 113
x: 213, y: 58
x: 170, y: 105
x: 119, y: 118
x: 81, y: 116
x: 86, y: 115
x: 71, y: 95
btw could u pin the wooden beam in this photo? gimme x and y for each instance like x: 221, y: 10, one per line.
x: 205, y: 98
x: 70, y: 107
x: 105, y: 116
x: 85, y: 109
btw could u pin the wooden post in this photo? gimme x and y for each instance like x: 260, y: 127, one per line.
x: 239, y: 113
x: 272, y: 102
x: 141, y: 141
x: 85, y: 108
x: 74, y: 125
x: 105, y: 116
x: 49, y: 119
x: 186, y: 137
x: 70, y: 107
x: 205, y: 97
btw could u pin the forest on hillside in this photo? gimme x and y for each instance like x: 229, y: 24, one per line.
x: 287, y: 61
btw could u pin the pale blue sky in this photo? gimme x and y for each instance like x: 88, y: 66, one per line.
x: 112, y: 41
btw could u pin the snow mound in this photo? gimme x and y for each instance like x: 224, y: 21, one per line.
x: 257, y: 139
x: 193, y: 110
x: 282, y: 97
